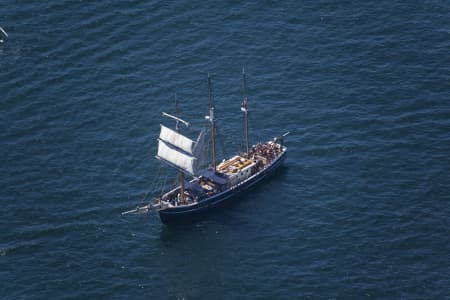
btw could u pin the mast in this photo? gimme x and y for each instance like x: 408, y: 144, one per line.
x: 245, y: 110
x: 177, y: 128
x: 212, y: 120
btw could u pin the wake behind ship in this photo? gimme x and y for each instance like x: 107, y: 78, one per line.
x: 209, y: 187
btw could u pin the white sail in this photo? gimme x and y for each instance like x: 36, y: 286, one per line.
x: 199, y: 151
x: 176, y: 139
x: 176, y: 158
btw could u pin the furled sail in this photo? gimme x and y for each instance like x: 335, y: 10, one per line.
x: 176, y: 139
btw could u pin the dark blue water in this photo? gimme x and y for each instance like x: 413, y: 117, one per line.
x: 361, y: 210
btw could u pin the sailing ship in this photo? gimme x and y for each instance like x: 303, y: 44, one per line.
x: 214, y: 184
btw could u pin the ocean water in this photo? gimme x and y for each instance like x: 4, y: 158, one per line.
x: 361, y: 209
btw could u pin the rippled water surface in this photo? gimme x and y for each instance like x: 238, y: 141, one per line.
x: 360, y: 210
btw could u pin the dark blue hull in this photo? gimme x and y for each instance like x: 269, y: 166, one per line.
x: 189, y: 213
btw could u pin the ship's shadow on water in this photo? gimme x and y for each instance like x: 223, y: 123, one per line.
x: 201, y: 245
